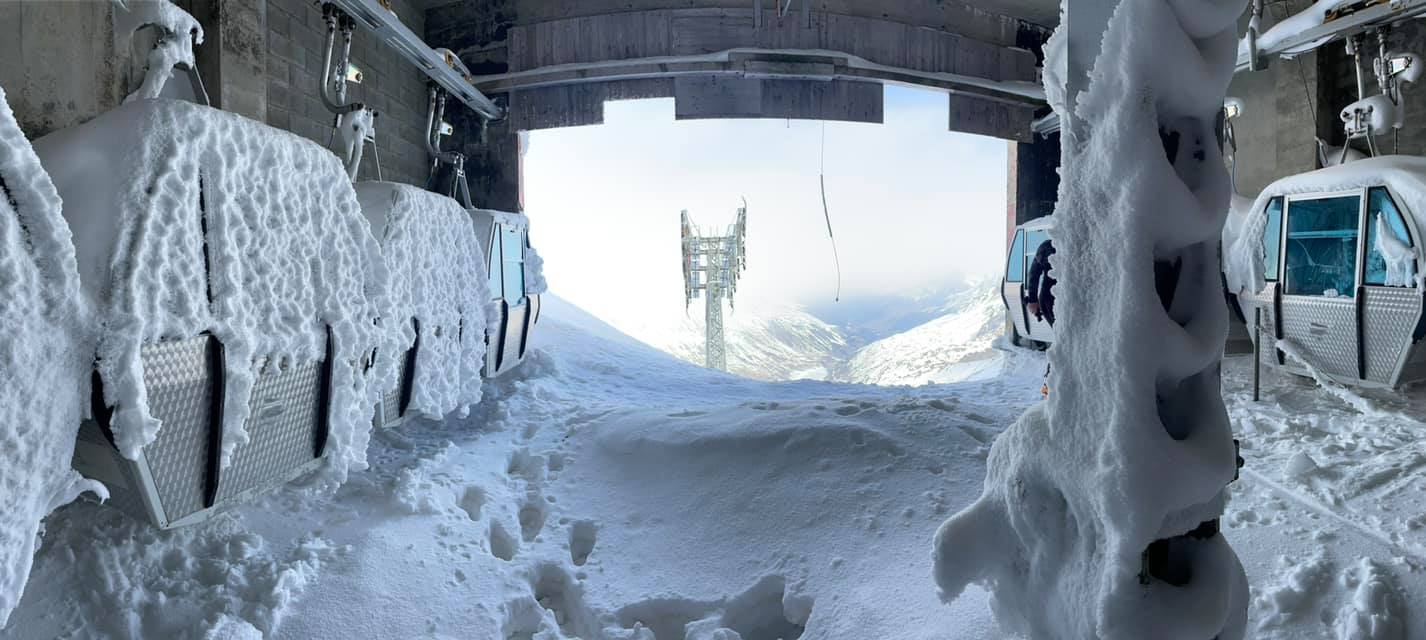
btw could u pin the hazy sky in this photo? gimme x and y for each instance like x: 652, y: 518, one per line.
x: 912, y: 204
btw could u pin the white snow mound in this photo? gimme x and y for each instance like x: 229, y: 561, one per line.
x: 44, y: 352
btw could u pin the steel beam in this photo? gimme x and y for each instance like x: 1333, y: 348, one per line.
x: 384, y: 24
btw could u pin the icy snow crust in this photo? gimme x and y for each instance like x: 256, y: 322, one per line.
x: 437, y: 274
x: 289, y: 249
x: 44, y: 352
x: 1080, y: 486
x: 1405, y: 176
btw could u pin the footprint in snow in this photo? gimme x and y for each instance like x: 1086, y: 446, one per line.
x: 581, y: 541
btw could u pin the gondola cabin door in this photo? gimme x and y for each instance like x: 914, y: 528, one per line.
x: 1343, y: 299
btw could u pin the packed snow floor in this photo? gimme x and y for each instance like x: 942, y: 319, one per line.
x: 607, y: 490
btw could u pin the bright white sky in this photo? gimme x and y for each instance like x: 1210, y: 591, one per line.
x: 912, y: 204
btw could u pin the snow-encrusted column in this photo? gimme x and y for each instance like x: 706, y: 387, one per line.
x: 1099, y: 514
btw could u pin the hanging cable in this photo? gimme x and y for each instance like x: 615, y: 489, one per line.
x: 822, y: 182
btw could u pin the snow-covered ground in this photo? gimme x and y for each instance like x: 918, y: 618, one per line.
x: 1329, y: 515
x: 606, y: 486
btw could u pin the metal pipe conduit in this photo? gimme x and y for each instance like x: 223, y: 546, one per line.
x: 335, y: 105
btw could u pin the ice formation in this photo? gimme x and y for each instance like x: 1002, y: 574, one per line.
x: 353, y: 128
x: 437, y: 275
x: 44, y: 352
x: 1097, y: 518
x: 1399, y: 257
x: 534, y: 271
x: 179, y: 32
x: 157, y: 189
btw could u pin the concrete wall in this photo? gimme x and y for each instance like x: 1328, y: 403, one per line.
x: 59, y: 65
x: 391, y: 85
x: 1292, y: 102
x: 261, y: 58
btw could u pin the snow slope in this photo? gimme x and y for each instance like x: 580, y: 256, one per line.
x: 951, y: 348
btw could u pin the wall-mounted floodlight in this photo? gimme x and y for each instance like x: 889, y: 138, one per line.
x: 1232, y: 107
x: 446, y: 128
x: 1404, y: 66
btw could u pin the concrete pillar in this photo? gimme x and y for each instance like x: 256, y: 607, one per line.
x: 233, y: 56
x: 1032, y: 180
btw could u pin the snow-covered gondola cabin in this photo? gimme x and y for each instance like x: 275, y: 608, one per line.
x: 516, y: 283
x: 1332, y: 259
x: 1025, y: 327
x: 236, y: 297
x: 439, y: 296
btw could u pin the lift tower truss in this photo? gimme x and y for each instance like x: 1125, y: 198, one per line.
x: 711, y: 267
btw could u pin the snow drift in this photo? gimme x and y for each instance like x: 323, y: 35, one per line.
x: 437, y: 275
x: 44, y: 352
x: 1098, y: 518
x: 156, y: 190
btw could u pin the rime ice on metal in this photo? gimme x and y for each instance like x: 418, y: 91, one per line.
x: 1099, y: 517
x: 712, y: 264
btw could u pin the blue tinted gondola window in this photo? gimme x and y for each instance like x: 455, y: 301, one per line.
x: 513, y: 250
x: 1391, y: 260
x: 496, y: 277
x: 1322, y: 246
x: 1015, y: 267
x: 1272, y: 239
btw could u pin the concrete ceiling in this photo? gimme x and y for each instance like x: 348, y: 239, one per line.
x: 1045, y: 13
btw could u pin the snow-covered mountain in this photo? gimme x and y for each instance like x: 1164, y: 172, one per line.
x: 765, y: 343
x: 953, y: 347
x: 941, y: 335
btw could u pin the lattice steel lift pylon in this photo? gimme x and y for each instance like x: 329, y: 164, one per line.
x: 712, y: 265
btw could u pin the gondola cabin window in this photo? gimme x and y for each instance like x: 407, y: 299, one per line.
x: 1015, y: 268
x: 1272, y: 239
x: 512, y: 243
x: 497, y: 278
x: 1322, y: 246
x: 1391, y: 258
x: 1033, y: 240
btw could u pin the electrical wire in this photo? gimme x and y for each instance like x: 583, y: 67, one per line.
x: 822, y: 182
